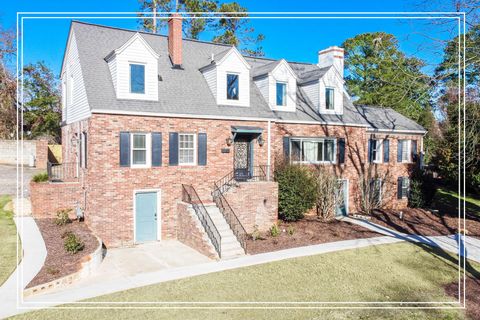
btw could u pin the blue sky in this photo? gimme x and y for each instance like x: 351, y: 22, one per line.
x: 295, y: 40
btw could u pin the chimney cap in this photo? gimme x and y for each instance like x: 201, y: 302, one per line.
x: 331, y: 49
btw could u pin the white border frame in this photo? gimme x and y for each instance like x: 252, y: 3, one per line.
x: 195, y: 149
x: 159, y: 212
x: 461, y: 22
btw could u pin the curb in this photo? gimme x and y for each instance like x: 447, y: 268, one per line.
x: 89, y: 264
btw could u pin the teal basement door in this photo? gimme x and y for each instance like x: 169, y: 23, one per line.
x: 146, y: 216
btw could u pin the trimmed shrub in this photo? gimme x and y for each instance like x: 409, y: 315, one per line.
x: 297, y: 191
x: 40, y: 177
x: 73, y: 244
x: 422, y: 190
x: 62, y: 217
x: 274, y: 230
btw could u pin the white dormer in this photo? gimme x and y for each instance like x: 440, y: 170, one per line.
x: 331, y: 93
x: 134, y: 70
x: 278, y: 84
x: 228, y: 76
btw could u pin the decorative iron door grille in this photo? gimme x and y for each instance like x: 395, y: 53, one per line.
x: 241, y: 159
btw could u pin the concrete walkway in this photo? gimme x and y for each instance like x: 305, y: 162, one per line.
x: 34, y: 254
x: 450, y: 243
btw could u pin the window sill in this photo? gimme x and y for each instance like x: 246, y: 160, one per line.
x: 321, y: 163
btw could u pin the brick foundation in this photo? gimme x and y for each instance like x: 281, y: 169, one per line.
x: 255, y: 204
x: 47, y: 198
x: 190, y: 232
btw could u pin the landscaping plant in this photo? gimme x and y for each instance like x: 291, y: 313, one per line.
x: 296, y: 191
x: 329, y: 193
x: 373, y: 190
x: 422, y: 189
x: 274, y: 230
x: 62, y: 217
x: 40, y: 177
x: 73, y: 244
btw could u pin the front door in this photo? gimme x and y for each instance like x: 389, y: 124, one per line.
x: 145, y: 216
x: 342, y: 194
x: 242, y: 159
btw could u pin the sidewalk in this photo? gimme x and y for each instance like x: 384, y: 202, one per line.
x: 34, y: 254
x: 448, y: 243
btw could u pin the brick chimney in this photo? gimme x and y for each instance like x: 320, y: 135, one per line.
x: 175, y: 39
x: 331, y: 56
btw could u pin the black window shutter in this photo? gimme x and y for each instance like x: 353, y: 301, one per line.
x: 414, y: 150
x: 399, y: 151
x: 370, y: 151
x: 202, y: 149
x: 173, y: 149
x: 386, y: 150
x: 399, y: 188
x: 286, y: 148
x: 124, y: 149
x: 341, y: 150
x: 156, y: 149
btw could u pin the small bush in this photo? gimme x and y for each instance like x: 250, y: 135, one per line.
x: 62, y: 217
x: 422, y: 190
x: 73, y: 244
x: 40, y: 177
x: 274, y: 230
x: 297, y: 191
x: 290, y: 230
x: 256, y: 233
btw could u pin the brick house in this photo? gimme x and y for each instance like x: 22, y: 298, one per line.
x: 152, y: 121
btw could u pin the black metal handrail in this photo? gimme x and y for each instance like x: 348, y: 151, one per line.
x: 230, y: 216
x: 62, y: 171
x: 189, y: 195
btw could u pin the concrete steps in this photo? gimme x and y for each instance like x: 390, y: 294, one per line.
x: 230, y: 247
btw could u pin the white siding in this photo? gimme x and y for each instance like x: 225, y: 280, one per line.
x: 136, y: 52
x: 312, y: 92
x: 232, y: 63
x: 210, y: 75
x: 282, y: 74
x: 262, y: 85
x: 77, y: 104
x: 331, y: 79
x: 112, y: 65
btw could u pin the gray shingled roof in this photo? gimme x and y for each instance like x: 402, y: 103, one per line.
x: 185, y: 91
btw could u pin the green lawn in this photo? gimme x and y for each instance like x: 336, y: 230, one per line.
x: 395, y: 272
x: 8, y: 247
x: 447, y: 201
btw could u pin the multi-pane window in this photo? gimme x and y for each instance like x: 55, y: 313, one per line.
x: 405, y: 150
x: 329, y: 96
x: 312, y: 150
x: 186, y: 148
x: 137, y: 78
x: 232, y: 86
x: 376, y: 191
x: 139, y: 149
x: 281, y: 94
x: 376, y: 150
x: 405, y: 187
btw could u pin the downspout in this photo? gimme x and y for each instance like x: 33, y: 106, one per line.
x: 268, y: 150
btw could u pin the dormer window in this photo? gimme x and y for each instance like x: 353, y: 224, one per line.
x: 232, y: 86
x: 329, y: 98
x: 137, y: 78
x: 281, y: 94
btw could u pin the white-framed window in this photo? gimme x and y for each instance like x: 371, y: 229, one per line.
x: 406, y: 145
x: 405, y: 187
x: 187, y: 145
x: 312, y: 150
x: 376, y: 190
x: 137, y: 78
x: 377, y: 150
x: 329, y: 98
x: 281, y: 93
x: 233, y: 86
x: 141, y: 150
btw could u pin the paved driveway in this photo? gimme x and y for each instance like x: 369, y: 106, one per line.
x: 8, y: 178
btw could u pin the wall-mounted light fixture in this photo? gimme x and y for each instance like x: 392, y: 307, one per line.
x: 229, y: 141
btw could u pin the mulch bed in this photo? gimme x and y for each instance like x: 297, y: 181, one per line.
x: 472, y: 301
x: 308, y: 231
x: 59, y: 262
x: 424, y: 222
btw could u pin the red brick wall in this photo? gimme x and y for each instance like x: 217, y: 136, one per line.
x: 190, y: 232
x: 255, y: 204
x: 47, y: 198
x: 41, y: 156
x: 110, y: 188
